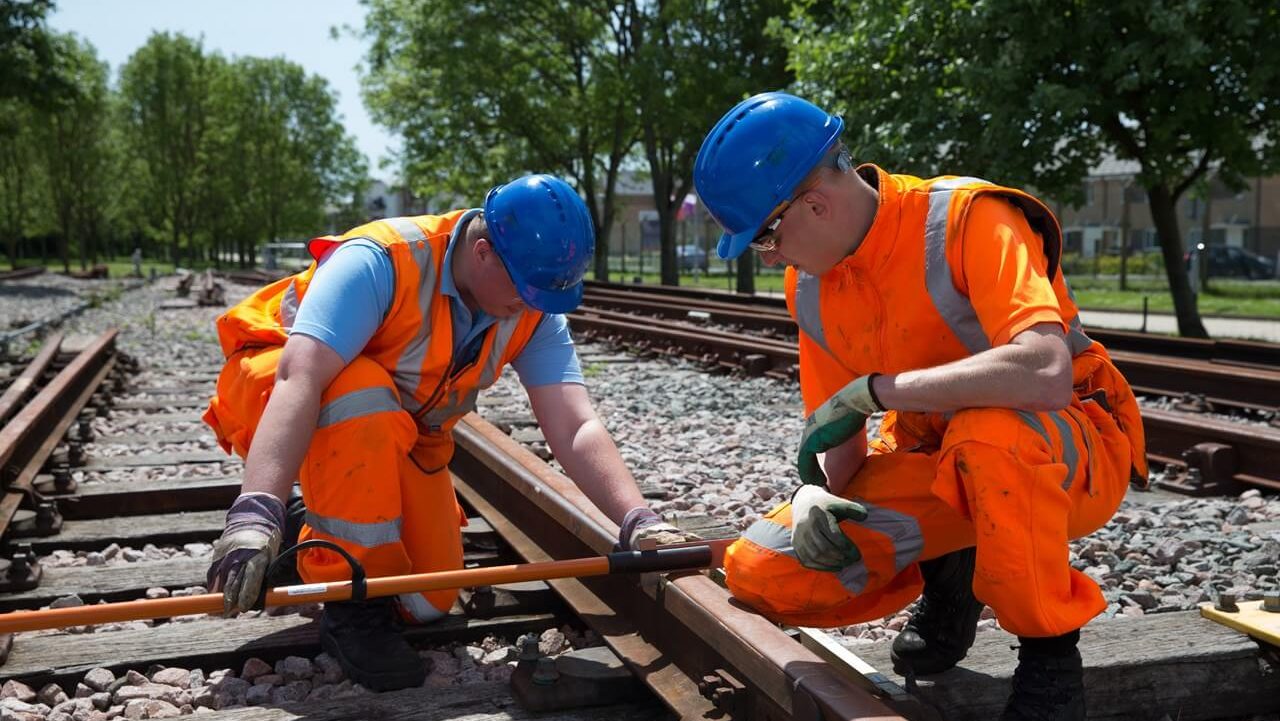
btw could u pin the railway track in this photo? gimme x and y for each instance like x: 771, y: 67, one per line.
x: 1202, y: 455
x: 149, y: 497
x: 142, y: 522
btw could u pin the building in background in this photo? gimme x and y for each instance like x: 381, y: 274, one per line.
x: 1113, y: 201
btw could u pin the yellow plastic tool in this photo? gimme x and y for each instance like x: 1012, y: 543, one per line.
x: 1251, y: 619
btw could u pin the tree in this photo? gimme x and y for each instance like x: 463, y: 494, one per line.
x: 165, y: 87
x: 21, y: 174
x: 693, y: 61
x: 1035, y: 94
x: 27, y: 53
x: 74, y: 137
x: 490, y: 90
x: 273, y: 118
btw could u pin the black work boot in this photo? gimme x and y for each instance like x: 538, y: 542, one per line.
x: 365, y: 637
x: 1048, y: 684
x: 942, y: 628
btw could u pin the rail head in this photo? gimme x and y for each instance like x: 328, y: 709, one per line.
x: 679, y: 608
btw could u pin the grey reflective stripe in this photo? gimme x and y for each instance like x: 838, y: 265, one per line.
x: 809, y: 308
x: 954, y: 308
x: 367, y: 535
x: 408, y: 371
x: 418, y: 607
x: 1069, y: 455
x: 1077, y: 341
x: 771, y: 535
x: 456, y: 404
x: 289, y: 305
x: 355, y: 404
x: 902, y: 529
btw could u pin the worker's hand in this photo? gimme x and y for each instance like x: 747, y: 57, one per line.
x: 641, y: 523
x: 250, y: 542
x: 815, y: 529
x: 837, y: 420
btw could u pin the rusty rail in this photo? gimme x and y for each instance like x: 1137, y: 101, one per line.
x: 25, y: 384
x: 680, y: 634
x: 31, y: 436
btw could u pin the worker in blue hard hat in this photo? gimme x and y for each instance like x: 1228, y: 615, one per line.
x: 1007, y: 431
x: 350, y: 376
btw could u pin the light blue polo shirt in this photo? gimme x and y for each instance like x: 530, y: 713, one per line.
x: 351, y: 294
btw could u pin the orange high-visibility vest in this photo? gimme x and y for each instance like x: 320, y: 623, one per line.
x: 902, y: 305
x: 414, y: 343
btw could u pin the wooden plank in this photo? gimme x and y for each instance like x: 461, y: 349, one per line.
x: 131, y: 498
x: 111, y: 583
x: 1168, y: 663
x: 131, y: 580
x: 107, y: 463
x: 488, y: 701
x: 214, y: 642
x: 172, y: 529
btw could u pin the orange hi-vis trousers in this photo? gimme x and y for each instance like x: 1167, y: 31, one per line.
x: 361, y: 489
x: 1016, y: 484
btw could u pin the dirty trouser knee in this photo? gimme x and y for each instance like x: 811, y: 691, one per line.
x: 906, y: 523
x: 362, y: 491
x: 1030, y: 482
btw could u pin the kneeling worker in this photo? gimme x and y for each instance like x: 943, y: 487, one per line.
x: 1008, y: 432
x: 350, y: 376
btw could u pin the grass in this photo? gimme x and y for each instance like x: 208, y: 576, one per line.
x: 116, y: 268
x: 1259, y: 298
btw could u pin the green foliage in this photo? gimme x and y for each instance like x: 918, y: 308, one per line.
x: 79, y: 157
x: 1035, y: 93
x: 1138, y: 264
x: 487, y: 91
x: 27, y: 53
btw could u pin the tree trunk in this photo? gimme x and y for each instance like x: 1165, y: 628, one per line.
x: 1164, y: 215
x: 747, y: 272
x: 669, y: 272
x: 1124, y: 235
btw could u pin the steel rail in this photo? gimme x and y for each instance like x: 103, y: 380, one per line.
x: 1226, y: 351
x: 25, y: 384
x: 1256, y: 448
x: 1171, y: 437
x: 1243, y: 387
x: 31, y: 436
x: 676, y: 629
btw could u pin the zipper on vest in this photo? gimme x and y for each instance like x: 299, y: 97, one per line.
x: 446, y: 380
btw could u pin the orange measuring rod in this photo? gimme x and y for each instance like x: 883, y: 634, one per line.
x: 664, y: 559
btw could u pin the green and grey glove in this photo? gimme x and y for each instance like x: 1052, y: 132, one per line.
x: 819, y: 543
x: 834, y: 422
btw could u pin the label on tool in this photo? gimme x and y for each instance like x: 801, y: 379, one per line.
x: 305, y: 590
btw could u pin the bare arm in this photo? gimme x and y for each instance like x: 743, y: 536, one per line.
x: 306, y: 368
x: 584, y: 447
x: 1032, y: 372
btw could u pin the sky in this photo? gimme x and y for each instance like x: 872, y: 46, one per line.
x: 298, y: 30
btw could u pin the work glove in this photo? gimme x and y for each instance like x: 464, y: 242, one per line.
x: 641, y: 523
x: 819, y: 543
x: 250, y: 542
x: 834, y: 422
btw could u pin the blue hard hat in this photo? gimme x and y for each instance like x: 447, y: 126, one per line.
x: 542, y: 231
x: 755, y: 157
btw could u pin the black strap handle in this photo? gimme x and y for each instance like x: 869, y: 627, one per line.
x: 359, y: 587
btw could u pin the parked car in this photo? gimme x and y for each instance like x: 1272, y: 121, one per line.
x: 1229, y: 261
x: 691, y: 257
